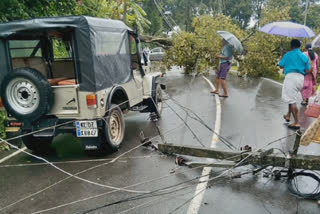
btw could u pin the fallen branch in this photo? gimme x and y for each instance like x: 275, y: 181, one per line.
x: 163, y: 42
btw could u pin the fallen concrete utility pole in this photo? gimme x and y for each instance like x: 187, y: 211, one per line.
x: 263, y: 158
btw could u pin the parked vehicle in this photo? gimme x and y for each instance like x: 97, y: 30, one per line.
x: 157, y: 54
x: 74, y: 75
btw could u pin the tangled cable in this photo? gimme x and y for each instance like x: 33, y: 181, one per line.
x: 293, y: 186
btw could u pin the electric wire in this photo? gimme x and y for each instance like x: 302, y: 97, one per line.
x: 78, y: 173
x: 111, y: 161
x: 63, y: 171
x: 65, y: 123
x: 142, y: 196
x: 68, y: 173
x: 103, y: 194
x: 268, y: 144
x: 201, y: 121
x: 79, y: 161
x: 243, y: 160
x: 187, y: 125
x: 164, y: 17
x: 211, y: 179
x: 133, y: 185
x: 294, y: 189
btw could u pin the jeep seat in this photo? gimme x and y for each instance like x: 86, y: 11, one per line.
x: 67, y: 82
x: 55, y: 81
x: 37, y: 63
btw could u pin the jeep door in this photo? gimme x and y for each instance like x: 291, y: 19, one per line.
x: 134, y: 88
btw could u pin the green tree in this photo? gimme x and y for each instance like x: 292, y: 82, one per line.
x: 25, y: 9
x: 128, y: 11
x: 2, y: 118
x: 263, y: 49
x: 313, y: 18
x: 183, y: 52
x: 154, y: 17
x: 240, y: 10
x: 196, y: 51
x: 295, y: 8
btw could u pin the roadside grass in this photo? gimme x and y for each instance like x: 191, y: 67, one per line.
x: 3, y: 146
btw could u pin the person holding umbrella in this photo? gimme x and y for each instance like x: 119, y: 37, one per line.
x: 225, y: 65
x: 296, y: 65
x: 310, y: 80
x: 229, y: 42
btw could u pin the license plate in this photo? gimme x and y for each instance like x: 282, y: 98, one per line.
x: 87, y: 128
x: 12, y: 129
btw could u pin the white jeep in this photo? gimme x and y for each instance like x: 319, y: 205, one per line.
x: 74, y: 75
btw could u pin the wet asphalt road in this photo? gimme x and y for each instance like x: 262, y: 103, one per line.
x: 252, y: 115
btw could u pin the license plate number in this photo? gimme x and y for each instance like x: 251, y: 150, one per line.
x: 87, y: 128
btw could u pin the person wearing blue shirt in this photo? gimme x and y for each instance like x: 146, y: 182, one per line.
x: 296, y: 65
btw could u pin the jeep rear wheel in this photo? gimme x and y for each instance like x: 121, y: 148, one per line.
x: 26, y: 94
x: 39, y: 145
x: 113, y: 130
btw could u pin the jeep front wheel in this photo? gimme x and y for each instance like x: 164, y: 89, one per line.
x: 157, y: 101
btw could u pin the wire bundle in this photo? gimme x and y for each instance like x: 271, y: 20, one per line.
x: 293, y: 186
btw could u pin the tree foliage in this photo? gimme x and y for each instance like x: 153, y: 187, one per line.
x: 129, y: 11
x: 2, y: 118
x: 313, y: 18
x: 3, y: 146
x: 264, y: 49
x: 183, y: 12
x: 26, y: 9
x: 153, y: 15
x: 197, y: 51
x: 184, y: 52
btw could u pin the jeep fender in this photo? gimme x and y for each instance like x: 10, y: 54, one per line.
x: 155, y: 82
x: 118, y: 96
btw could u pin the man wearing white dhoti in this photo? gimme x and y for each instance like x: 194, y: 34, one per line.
x: 296, y: 65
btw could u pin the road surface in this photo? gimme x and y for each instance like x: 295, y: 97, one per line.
x: 252, y: 115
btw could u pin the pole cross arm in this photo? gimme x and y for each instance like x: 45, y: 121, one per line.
x: 308, y: 162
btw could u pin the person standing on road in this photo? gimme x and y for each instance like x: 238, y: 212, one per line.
x: 225, y: 65
x: 310, y: 80
x: 296, y: 65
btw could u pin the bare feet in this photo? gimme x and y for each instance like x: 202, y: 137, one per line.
x: 215, y: 92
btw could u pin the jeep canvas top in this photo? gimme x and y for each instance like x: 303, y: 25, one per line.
x: 74, y: 75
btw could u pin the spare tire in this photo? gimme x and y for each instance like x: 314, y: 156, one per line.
x: 26, y: 94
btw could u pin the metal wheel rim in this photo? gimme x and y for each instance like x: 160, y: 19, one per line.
x: 116, y: 127
x: 22, y: 95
